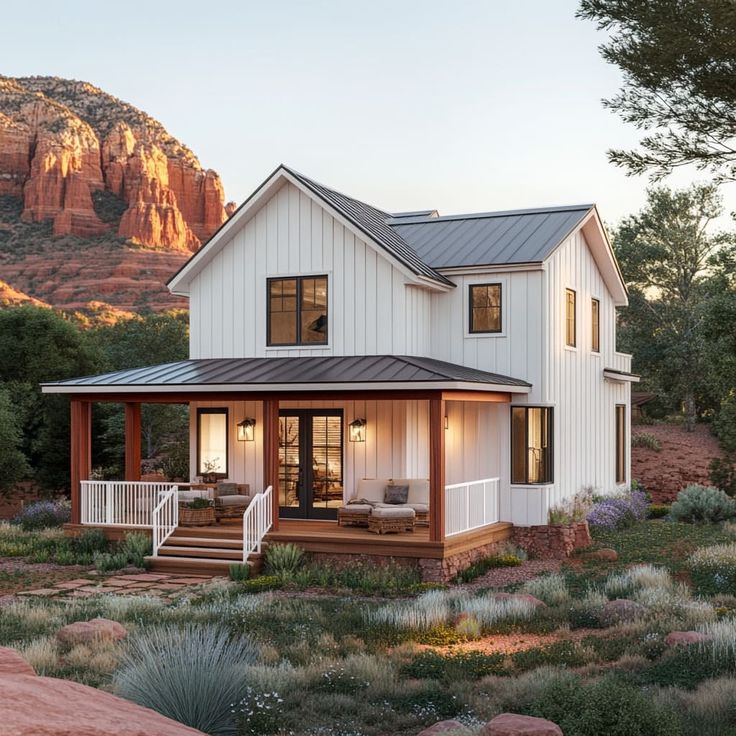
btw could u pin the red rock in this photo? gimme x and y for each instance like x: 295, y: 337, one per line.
x: 11, y: 663
x: 511, y: 724
x: 45, y: 706
x: 82, y: 632
x: 621, y: 610
x: 684, y: 638
x: 450, y: 727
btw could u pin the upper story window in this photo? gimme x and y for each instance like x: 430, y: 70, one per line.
x: 531, y: 445
x: 570, y: 326
x: 595, y: 325
x: 297, y: 311
x: 485, y: 308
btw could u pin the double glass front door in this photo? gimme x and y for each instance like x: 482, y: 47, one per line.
x: 310, y: 463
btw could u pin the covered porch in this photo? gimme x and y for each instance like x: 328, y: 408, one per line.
x: 447, y: 429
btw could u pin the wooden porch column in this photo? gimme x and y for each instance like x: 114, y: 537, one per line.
x: 81, y: 453
x: 271, y: 453
x: 437, y: 411
x: 132, y: 440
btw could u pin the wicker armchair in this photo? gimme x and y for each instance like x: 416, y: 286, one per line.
x: 231, y: 500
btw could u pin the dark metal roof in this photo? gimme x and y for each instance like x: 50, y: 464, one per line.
x: 489, y: 238
x: 372, y: 222
x: 307, y: 370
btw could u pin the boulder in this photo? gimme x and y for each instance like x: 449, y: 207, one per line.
x: 621, y: 610
x: 452, y: 728
x: 511, y: 724
x: 11, y: 663
x: 684, y: 638
x: 605, y: 555
x: 520, y: 597
x: 83, y: 632
x: 45, y: 706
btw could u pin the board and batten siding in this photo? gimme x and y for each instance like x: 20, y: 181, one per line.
x: 573, y: 381
x: 371, y: 308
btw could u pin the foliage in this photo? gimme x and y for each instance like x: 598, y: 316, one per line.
x: 658, y: 510
x: 136, y: 547
x: 367, y: 578
x: 551, y: 589
x: 175, y: 464
x: 259, y: 713
x: 198, y: 503
x: 261, y: 584
x: 283, y: 559
x: 722, y: 472
x: 617, y: 512
x: 192, y: 674
x: 239, y: 572
x: 646, y: 439
x: 109, y: 561
x: 724, y: 422
x: 678, y: 68
x: 482, y: 566
x: 13, y: 463
x: 572, y: 509
x: 91, y: 541
x: 431, y: 665
x: 713, y: 569
x: 43, y: 515
x: 702, y: 503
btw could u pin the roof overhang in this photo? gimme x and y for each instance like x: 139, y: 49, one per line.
x: 611, y: 374
x: 179, y: 283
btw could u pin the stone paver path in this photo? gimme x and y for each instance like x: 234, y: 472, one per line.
x: 160, y: 585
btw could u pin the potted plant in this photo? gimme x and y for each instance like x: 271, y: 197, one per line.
x: 210, y: 474
x: 198, y: 512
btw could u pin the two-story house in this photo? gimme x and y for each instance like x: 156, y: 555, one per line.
x: 332, y: 342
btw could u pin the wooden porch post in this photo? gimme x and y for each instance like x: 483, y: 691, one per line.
x: 81, y: 453
x: 437, y: 469
x: 271, y: 453
x: 132, y: 440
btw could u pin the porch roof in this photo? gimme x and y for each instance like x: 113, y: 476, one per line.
x: 313, y: 373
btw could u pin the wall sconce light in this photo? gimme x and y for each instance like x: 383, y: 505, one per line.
x: 357, y: 430
x: 246, y: 430
x: 447, y: 422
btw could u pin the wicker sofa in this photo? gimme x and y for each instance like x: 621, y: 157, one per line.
x: 372, y: 491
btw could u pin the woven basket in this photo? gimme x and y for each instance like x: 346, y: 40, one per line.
x: 196, y: 517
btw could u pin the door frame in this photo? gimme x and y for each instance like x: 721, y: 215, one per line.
x: 306, y: 508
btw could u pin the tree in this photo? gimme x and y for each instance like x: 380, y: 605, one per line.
x: 13, y: 463
x: 669, y: 255
x: 678, y: 58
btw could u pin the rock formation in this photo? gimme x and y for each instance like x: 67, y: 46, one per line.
x: 62, y: 140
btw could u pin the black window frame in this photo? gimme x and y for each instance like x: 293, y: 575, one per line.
x: 472, y: 331
x: 550, y: 465
x: 299, y: 281
x: 620, y: 430
x: 595, y: 325
x: 574, y: 342
x: 213, y: 410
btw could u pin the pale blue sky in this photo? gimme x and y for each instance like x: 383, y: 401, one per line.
x: 462, y: 105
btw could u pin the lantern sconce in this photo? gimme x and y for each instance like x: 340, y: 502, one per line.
x: 246, y: 430
x: 357, y: 430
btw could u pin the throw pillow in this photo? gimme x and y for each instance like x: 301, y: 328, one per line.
x: 396, y: 494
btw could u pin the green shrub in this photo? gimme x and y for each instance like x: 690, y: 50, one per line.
x: 713, y: 569
x: 192, y: 674
x: 136, y: 547
x: 259, y: 713
x: 261, y: 584
x: 481, y: 567
x: 43, y: 515
x: 609, y: 706
x: 702, y: 503
x: 283, y: 559
x: 198, y: 503
x: 722, y: 473
x: 551, y: 589
x: 646, y: 439
x: 431, y: 665
x: 431, y: 703
x: 684, y: 667
x: 561, y: 654
x: 239, y: 572
x: 338, y: 679
x: 91, y: 541
x: 658, y: 510
x: 366, y: 578
x: 109, y: 561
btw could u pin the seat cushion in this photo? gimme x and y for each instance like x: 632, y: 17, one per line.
x: 186, y: 496
x: 393, y: 512
x: 418, y: 488
x: 371, y: 489
x: 234, y: 500
x: 420, y: 508
x: 358, y: 508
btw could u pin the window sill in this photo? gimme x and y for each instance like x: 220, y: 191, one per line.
x: 528, y: 486
x: 273, y: 348
x: 475, y: 335
x: 571, y: 348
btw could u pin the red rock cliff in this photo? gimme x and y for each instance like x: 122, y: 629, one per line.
x: 62, y: 140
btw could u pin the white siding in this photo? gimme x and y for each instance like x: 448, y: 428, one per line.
x: 372, y: 311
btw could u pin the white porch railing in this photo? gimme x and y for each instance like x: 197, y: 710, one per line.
x: 471, y: 505
x: 165, y: 518
x: 118, y: 502
x: 257, y: 520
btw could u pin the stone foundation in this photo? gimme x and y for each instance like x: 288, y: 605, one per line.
x: 552, y: 541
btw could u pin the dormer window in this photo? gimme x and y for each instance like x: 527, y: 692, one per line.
x: 485, y: 308
x: 297, y: 311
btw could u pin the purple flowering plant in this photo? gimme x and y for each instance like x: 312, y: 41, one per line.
x: 42, y: 515
x: 618, y: 512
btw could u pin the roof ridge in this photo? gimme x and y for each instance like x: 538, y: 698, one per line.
x: 393, y: 221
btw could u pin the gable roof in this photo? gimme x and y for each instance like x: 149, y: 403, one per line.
x: 489, y: 238
x: 310, y: 373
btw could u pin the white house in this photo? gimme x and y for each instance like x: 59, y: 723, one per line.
x: 332, y: 342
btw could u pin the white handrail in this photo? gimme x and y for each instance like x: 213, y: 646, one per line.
x: 257, y: 520
x: 471, y: 505
x: 165, y: 518
x: 120, y: 502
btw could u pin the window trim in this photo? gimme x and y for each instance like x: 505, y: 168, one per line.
x: 299, y: 280
x: 501, y: 294
x: 574, y: 342
x: 595, y: 336
x: 620, y: 448
x: 213, y: 410
x: 550, y: 479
